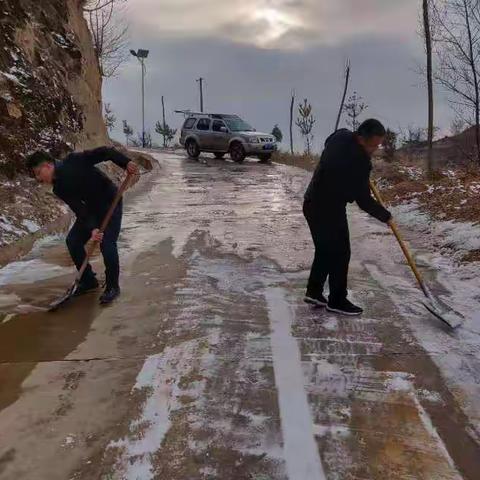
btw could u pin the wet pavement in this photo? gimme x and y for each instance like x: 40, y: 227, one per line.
x: 210, y: 366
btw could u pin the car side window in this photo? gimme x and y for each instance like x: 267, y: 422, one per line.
x: 189, y: 123
x: 217, y: 125
x: 203, y: 124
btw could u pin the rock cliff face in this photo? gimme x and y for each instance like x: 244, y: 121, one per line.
x: 50, y: 86
x: 50, y: 98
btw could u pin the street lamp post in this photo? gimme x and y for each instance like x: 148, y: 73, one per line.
x: 141, y: 56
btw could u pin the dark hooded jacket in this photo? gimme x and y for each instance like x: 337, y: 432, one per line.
x: 85, y: 188
x: 342, y: 176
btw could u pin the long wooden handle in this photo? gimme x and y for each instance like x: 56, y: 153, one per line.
x: 402, y: 244
x: 108, y: 216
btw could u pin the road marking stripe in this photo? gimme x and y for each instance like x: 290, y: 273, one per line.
x: 300, y: 448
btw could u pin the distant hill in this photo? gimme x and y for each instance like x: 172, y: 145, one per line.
x: 455, y: 150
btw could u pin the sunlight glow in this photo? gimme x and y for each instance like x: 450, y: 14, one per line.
x: 278, y: 24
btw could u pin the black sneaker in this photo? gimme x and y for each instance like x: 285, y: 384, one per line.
x: 86, y: 286
x: 109, y: 295
x: 345, y: 307
x: 317, y: 300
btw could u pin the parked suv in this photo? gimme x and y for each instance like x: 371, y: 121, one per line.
x: 221, y: 134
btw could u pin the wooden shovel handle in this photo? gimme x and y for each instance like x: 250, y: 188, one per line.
x: 91, y: 248
x: 402, y: 243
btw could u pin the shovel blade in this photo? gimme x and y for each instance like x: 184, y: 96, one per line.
x: 64, y: 299
x: 447, y: 316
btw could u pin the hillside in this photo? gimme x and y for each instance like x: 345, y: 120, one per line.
x: 50, y: 98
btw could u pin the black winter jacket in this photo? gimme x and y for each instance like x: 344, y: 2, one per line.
x: 85, y: 188
x: 342, y: 176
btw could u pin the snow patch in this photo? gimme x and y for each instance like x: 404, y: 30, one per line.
x: 12, y: 78
x: 461, y: 236
x: 29, y: 271
x: 31, y: 226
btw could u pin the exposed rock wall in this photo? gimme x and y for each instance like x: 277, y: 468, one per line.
x: 50, y: 85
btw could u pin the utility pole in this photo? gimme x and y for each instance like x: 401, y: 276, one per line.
x: 164, y: 123
x: 142, y: 61
x: 200, y: 81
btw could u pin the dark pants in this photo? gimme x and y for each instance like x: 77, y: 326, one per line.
x: 332, y: 252
x: 79, y: 236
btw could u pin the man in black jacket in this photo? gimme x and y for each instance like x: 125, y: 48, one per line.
x: 341, y: 177
x: 89, y: 193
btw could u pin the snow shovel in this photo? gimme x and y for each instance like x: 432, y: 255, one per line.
x: 445, y: 314
x: 91, y: 248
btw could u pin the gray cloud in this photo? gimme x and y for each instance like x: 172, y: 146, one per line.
x: 254, y: 80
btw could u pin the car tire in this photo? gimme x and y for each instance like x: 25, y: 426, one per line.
x: 265, y: 157
x: 193, y: 149
x: 237, y: 152
x: 219, y: 155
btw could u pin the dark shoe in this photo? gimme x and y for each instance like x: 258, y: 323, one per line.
x: 109, y: 295
x: 317, y: 300
x: 345, y: 307
x: 86, y: 286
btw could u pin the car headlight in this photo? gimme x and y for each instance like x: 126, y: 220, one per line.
x: 254, y: 140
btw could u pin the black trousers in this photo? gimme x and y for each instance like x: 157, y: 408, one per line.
x: 79, y: 236
x: 332, y: 252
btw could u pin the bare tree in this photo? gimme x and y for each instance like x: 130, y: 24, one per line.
x: 390, y: 145
x: 292, y: 103
x: 109, y: 33
x: 139, y: 140
x: 428, y: 47
x: 163, y: 129
x: 342, y: 103
x: 109, y: 117
x: 457, y: 126
x: 305, y: 123
x: 354, y: 107
x: 456, y: 42
x: 127, y: 131
x: 413, y: 136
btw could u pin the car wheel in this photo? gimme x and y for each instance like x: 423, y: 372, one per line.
x: 265, y: 157
x: 237, y: 152
x: 192, y: 149
x: 219, y: 155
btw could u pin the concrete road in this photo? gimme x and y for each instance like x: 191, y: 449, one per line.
x: 210, y: 366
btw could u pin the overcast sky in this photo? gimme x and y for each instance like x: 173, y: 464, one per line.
x: 252, y: 53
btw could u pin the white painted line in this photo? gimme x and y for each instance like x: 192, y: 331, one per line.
x: 300, y: 449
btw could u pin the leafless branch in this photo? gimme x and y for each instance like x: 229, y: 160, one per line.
x: 109, y: 32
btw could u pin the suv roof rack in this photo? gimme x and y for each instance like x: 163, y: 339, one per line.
x: 204, y: 114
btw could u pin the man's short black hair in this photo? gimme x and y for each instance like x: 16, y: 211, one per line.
x: 371, y: 128
x: 37, y: 158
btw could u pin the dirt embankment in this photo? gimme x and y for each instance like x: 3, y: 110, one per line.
x: 50, y: 98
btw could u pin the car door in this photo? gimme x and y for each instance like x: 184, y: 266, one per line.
x: 204, y: 134
x: 219, y: 136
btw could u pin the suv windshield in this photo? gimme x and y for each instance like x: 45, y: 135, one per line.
x: 236, y: 124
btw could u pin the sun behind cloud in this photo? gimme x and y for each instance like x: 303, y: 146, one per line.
x: 277, y: 24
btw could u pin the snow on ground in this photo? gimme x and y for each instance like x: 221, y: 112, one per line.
x: 434, y: 244
x: 458, y: 237
x: 28, y: 271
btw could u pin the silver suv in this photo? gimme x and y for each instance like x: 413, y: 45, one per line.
x: 221, y: 134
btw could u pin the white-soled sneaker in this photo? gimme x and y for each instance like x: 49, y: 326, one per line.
x: 316, y: 300
x: 344, y: 307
